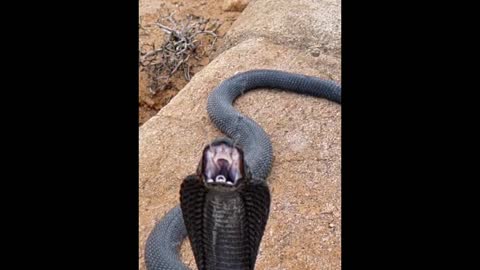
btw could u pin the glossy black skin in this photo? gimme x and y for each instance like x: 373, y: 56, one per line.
x: 225, y: 223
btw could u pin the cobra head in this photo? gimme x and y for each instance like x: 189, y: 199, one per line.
x: 222, y: 166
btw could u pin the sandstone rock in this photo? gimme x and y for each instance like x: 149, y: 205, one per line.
x: 300, y: 24
x: 235, y: 5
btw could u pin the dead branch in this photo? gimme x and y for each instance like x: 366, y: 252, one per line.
x: 182, y: 42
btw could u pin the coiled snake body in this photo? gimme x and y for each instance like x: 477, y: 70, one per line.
x: 225, y: 204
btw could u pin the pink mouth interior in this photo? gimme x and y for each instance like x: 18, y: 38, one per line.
x: 222, y: 165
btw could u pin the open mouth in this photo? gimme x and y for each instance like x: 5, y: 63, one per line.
x: 222, y: 164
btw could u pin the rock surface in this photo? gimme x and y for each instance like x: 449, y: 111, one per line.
x: 303, y: 231
x: 235, y: 5
x: 313, y: 25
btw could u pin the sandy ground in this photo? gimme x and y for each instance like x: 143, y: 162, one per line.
x: 150, y: 104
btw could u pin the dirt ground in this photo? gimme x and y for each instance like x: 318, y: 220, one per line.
x: 150, y: 103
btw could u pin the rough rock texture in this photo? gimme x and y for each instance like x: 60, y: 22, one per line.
x: 303, y: 231
x: 313, y: 25
x: 235, y: 5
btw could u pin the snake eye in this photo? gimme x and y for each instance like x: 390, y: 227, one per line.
x: 222, y: 164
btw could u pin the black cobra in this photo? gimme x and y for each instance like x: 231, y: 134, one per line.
x: 225, y: 204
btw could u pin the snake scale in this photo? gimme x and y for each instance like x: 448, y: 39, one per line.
x: 225, y: 205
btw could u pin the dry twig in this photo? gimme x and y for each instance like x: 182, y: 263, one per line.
x: 182, y: 42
